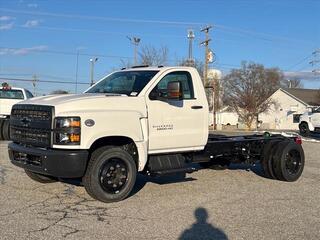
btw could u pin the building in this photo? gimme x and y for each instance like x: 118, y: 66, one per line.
x: 226, y: 116
x: 289, y: 105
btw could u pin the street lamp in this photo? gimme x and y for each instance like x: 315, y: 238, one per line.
x: 93, y: 61
x: 135, y: 41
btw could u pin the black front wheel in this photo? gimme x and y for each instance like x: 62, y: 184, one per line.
x: 304, y: 129
x: 110, y: 175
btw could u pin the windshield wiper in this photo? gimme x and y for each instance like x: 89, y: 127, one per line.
x: 115, y: 94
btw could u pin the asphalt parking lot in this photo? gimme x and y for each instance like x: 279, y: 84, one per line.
x: 233, y: 204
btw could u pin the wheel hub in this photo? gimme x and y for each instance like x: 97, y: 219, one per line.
x: 293, y: 162
x: 113, y: 175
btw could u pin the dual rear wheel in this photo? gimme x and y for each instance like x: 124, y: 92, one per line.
x: 283, y: 160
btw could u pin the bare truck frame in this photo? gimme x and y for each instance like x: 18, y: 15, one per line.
x: 281, y: 158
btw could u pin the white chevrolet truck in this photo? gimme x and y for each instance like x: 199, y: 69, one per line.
x: 148, y: 120
x: 8, y: 97
x: 310, y: 121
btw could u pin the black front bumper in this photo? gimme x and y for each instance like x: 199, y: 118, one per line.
x: 56, y: 163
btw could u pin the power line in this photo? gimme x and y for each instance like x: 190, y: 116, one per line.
x: 67, y: 53
x: 42, y: 81
x: 299, y: 62
x: 264, y: 36
x: 125, y: 20
x: 96, y: 31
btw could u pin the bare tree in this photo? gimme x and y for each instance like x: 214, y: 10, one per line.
x: 59, y: 91
x: 246, y: 90
x: 125, y: 63
x: 292, y: 83
x: 199, y: 65
x: 149, y: 55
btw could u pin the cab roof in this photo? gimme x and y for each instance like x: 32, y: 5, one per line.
x: 13, y: 88
x: 155, y: 68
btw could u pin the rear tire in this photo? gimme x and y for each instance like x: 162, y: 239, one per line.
x: 110, y: 175
x: 266, y: 160
x: 304, y: 129
x: 39, y: 177
x: 289, y: 162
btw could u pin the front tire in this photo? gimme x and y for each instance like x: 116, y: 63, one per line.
x: 6, y: 130
x: 39, y: 177
x: 304, y: 129
x: 110, y: 175
x: 1, y: 126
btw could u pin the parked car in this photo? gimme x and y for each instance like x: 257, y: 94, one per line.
x: 310, y: 121
x: 8, y: 97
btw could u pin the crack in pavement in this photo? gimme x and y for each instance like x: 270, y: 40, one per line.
x: 58, y: 208
x: 3, y: 175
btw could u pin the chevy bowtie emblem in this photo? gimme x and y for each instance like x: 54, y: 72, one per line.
x: 25, y: 121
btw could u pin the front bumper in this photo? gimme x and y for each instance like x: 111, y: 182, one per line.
x: 52, y: 162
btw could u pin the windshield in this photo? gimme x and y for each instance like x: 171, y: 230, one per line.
x: 127, y: 82
x: 11, y: 94
x: 316, y: 110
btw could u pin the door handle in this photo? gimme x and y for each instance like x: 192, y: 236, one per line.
x: 196, y: 107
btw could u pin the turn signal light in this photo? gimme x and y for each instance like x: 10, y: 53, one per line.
x: 74, y: 138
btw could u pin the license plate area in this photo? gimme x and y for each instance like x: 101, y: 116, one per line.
x: 27, y: 158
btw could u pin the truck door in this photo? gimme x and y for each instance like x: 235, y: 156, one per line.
x: 315, y: 117
x: 176, y: 124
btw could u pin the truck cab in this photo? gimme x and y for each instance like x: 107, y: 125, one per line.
x: 149, y: 110
x: 310, y: 121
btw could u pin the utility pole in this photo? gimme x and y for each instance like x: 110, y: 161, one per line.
x: 34, y: 82
x: 209, y: 57
x: 206, y: 44
x: 135, y: 41
x: 315, y: 61
x: 93, y: 61
x: 77, y: 69
x: 190, y: 61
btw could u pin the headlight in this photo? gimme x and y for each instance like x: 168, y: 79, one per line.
x: 67, y: 130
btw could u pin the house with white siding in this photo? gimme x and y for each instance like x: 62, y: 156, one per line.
x: 289, y: 105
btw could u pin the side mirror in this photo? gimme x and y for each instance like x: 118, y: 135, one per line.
x: 175, y: 90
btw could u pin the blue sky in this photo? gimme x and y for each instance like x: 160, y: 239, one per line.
x: 43, y: 37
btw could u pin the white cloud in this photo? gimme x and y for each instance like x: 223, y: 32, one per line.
x: 22, y: 51
x: 32, y: 5
x: 6, y: 26
x: 303, y: 75
x: 6, y: 18
x: 31, y: 23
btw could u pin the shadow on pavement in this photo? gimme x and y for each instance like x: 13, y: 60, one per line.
x: 142, y: 180
x: 257, y: 168
x: 313, y: 135
x: 201, y: 229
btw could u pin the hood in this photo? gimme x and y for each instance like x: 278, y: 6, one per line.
x: 54, y: 100
x: 76, y: 103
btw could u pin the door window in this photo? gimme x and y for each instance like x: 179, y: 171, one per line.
x: 183, y: 77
